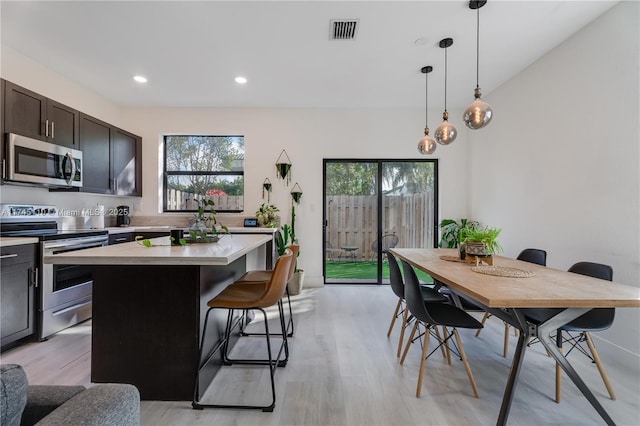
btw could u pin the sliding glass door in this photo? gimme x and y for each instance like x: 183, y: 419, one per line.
x: 371, y: 206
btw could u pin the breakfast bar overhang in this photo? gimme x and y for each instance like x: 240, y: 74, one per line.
x: 149, y: 305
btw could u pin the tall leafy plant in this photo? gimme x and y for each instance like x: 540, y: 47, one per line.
x: 454, y: 232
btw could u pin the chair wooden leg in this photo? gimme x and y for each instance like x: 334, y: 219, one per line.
x: 484, y: 319
x: 425, y: 345
x: 406, y: 348
x: 395, y: 315
x: 505, y: 349
x: 405, y: 314
x: 446, y: 344
x: 596, y: 358
x: 466, y: 363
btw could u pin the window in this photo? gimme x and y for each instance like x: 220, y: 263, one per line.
x: 203, y: 166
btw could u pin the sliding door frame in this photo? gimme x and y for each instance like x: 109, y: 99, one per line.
x: 379, y: 205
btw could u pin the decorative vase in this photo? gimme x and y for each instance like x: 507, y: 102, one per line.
x: 476, y: 248
x: 296, y: 282
x: 463, y: 253
x: 198, y: 229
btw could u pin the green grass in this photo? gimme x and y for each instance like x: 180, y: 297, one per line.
x: 363, y: 271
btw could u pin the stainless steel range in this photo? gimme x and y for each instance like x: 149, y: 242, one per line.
x: 64, y: 293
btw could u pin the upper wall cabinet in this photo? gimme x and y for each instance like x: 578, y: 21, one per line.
x: 111, y: 158
x: 30, y: 114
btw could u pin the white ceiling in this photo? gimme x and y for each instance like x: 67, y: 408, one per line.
x: 191, y: 51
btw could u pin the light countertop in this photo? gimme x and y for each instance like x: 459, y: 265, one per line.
x: 225, y: 251
x: 16, y: 241
x: 155, y: 228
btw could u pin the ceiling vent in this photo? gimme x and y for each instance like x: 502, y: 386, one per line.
x: 343, y: 29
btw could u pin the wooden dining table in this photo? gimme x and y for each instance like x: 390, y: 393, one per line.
x: 506, y: 297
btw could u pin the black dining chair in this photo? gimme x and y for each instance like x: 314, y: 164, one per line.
x: 397, y: 285
x: 594, y: 320
x: 530, y: 255
x: 429, y: 315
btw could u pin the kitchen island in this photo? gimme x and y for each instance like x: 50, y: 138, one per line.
x: 149, y: 305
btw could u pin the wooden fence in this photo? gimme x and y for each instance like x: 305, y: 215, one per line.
x: 351, y: 221
x: 178, y: 200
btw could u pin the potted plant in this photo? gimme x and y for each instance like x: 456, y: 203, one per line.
x: 266, y: 215
x: 297, y: 281
x: 482, y: 242
x: 453, y: 233
x: 205, y: 228
x: 287, y: 235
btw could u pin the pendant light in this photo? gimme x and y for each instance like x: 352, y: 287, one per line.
x: 427, y: 145
x: 479, y: 113
x: 446, y: 132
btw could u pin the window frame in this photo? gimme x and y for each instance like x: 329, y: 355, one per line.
x: 166, y: 173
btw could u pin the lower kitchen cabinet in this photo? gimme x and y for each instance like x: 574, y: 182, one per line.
x: 120, y: 238
x: 17, y: 293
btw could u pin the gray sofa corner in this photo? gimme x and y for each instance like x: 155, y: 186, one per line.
x: 101, y: 405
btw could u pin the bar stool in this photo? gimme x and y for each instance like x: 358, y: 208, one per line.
x: 253, y: 296
x: 264, y: 275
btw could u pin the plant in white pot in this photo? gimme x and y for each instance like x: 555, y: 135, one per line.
x: 287, y: 235
x: 267, y: 216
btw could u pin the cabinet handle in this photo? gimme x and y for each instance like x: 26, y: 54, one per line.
x: 6, y: 256
x: 46, y: 128
x: 120, y: 239
x: 35, y: 277
x: 53, y: 130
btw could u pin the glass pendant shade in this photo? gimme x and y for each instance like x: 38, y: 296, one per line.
x: 477, y: 115
x: 446, y: 132
x: 427, y: 145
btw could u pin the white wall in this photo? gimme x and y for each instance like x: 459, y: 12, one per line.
x: 308, y: 136
x: 558, y: 167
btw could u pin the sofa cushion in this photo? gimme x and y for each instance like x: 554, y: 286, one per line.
x: 43, y: 399
x: 101, y: 405
x: 13, y: 394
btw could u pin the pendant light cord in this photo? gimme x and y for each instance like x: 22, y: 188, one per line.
x: 426, y: 100
x: 445, y: 78
x: 478, y: 48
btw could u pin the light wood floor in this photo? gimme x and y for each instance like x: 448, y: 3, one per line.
x: 343, y: 371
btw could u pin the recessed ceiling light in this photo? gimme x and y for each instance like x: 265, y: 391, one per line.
x: 240, y: 80
x: 140, y: 79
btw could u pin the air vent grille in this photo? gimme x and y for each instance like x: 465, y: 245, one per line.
x: 343, y: 29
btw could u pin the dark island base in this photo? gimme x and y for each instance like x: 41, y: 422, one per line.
x: 147, y: 322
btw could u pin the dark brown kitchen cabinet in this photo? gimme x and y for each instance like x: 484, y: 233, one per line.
x: 111, y: 158
x: 120, y: 238
x: 126, y: 167
x: 30, y: 114
x: 17, y: 293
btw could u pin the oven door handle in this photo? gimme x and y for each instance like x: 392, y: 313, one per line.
x: 86, y: 243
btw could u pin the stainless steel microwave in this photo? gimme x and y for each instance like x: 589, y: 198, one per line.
x: 36, y: 162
